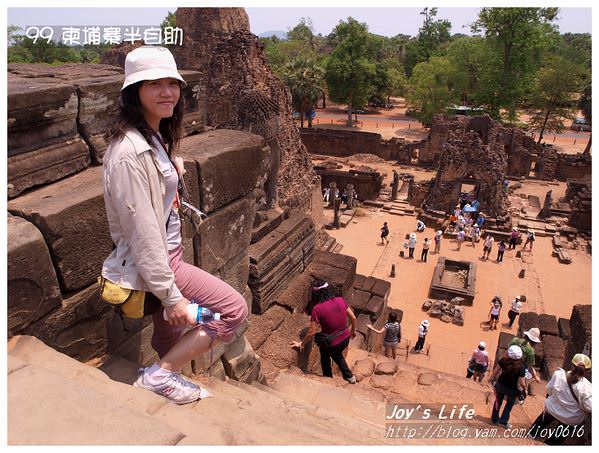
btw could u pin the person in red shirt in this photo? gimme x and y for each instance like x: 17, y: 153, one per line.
x: 330, y: 315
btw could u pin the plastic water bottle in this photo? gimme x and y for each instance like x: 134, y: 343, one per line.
x: 202, y: 315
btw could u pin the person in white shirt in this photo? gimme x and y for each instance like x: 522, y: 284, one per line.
x: 569, y: 401
x: 488, y: 245
x: 494, y: 313
x: 514, y: 310
x: 422, y: 332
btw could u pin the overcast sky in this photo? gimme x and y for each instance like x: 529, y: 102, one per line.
x: 381, y: 20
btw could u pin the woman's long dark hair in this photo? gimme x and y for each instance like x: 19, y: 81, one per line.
x: 320, y: 295
x: 130, y: 116
x: 576, y: 374
x: 512, y: 366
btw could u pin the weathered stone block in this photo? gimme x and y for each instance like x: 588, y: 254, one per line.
x: 359, y: 281
x: 297, y: 295
x: 388, y: 367
x: 138, y: 349
x: 375, y: 307
x: 367, y: 284
x: 71, y: 216
x: 276, y: 349
x: 32, y: 285
x: 349, y: 263
x: 46, y: 164
x: 381, y: 288
x: 98, y: 106
x: 338, y: 279
x: 363, y: 368
x: 381, y: 381
x: 362, y: 320
x: 359, y: 300
x: 225, y: 234
x: 554, y: 347
x: 564, y: 328
x: 40, y: 111
x: 527, y: 321
x: 504, y: 339
x: 548, y: 325
x: 238, y: 358
x: 231, y: 165
x: 458, y: 316
x: 237, y: 271
x: 85, y: 326
x: 262, y: 326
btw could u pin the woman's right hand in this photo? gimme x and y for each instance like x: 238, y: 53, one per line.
x: 177, y: 315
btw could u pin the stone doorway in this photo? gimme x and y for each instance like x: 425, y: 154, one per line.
x: 468, y: 192
x: 532, y: 171
x: 415, y: 156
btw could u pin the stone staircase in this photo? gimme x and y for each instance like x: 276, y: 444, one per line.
x: 56, y: 400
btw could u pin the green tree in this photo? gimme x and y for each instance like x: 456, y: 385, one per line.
x: 516, y: 38
x: 169, y: 21
x: 433, y: 36
x: 586, y: 105
x: 280, y: 52
x: 349, y: 69
x: 389, y: 80
x: 467, y: 53
x: 303, y: 32
x: 305, y: 80
x: 555, y: 90
x: 434, y: 85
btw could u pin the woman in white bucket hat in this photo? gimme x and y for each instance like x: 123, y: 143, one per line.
x: 141, y: 179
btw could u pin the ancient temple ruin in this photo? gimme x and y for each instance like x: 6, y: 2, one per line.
x: 472, y: 160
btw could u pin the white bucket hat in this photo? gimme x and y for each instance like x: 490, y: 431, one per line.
x: 150, y: 63
x: 514, y: 352
x: 533, y: 335
x: 439, y: 233
x: 412, y: 235
x: 482, y: 345
x: 425, y: 323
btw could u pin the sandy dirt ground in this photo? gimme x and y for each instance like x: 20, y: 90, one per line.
x: 394, y: 123
x: 550, y: 287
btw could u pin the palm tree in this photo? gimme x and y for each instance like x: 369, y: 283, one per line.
x: 305, y: 79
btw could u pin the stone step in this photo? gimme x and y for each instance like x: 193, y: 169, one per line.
x: 280, y: 414
x: 335, y: 399
x: 373, y: 203
x: 349, y: 424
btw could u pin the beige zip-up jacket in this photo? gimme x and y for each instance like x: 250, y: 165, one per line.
x: 133, y: 193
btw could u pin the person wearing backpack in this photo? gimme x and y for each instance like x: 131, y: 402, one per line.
x: 392, y: 337
x: 330, y: 315
x: 384, y: 233
x: 569, y: 401
x: 530, y: 239
x: 508, y: 382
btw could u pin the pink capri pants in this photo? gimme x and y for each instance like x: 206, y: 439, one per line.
x: 208, y: 291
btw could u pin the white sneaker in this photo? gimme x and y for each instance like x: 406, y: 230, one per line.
x: 174, y: 387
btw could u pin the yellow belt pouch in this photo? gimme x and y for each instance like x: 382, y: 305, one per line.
x: 130, y: 302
